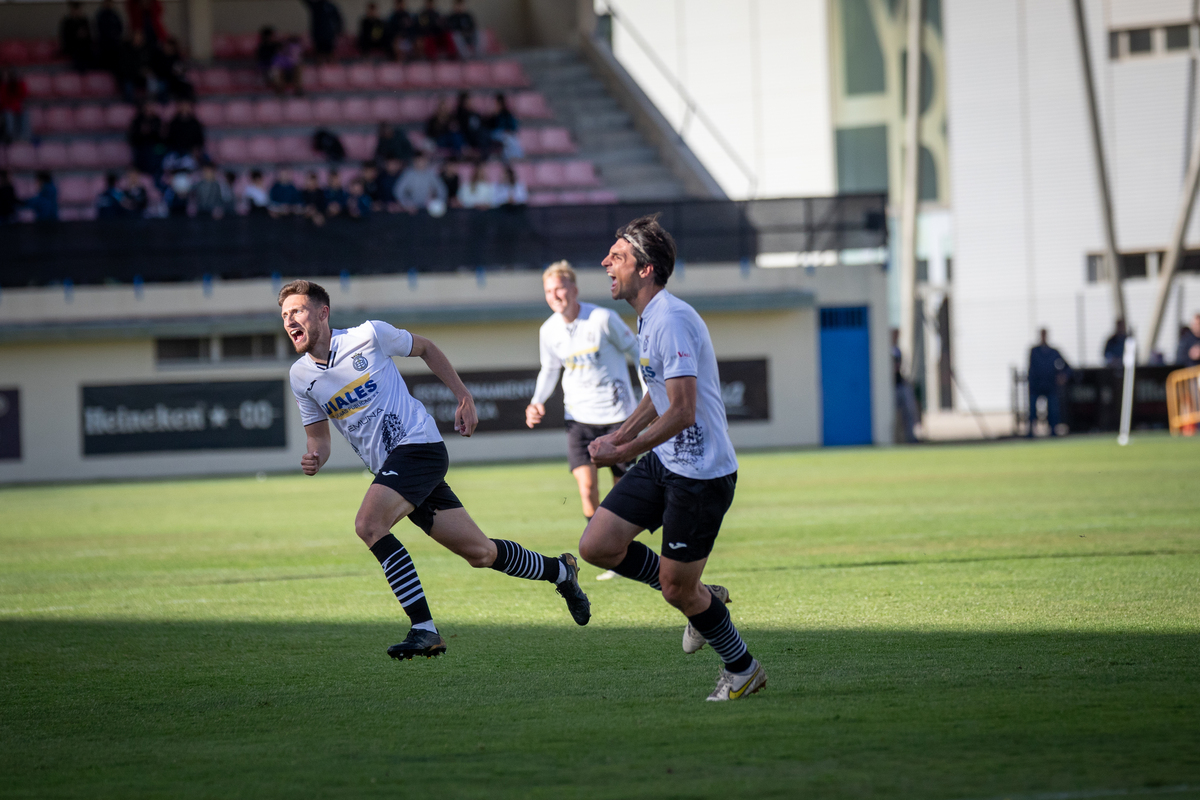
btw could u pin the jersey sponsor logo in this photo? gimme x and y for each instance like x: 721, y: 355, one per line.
x: 364, y: 420
x: 359, y: 362
x: 682, y: 354
x: 351, y: 398
x: 648, y: 372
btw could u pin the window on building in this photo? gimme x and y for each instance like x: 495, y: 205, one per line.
x: 862, y: 159
x: 1179, y: 37
x: 1114, y: 45
x: 1141, y: 40
x: 922, y: 270
x: 1095, y: 269
x: 1133, y: 265
x: 235, y: 348
x: 189, y: 349
x: 928, y: 187
x: 1190, y: 261
x: 862, y: 57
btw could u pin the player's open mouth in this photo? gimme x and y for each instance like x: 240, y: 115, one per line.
x: 297, y: 335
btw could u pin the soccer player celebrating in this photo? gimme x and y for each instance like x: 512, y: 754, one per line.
x: 348, y: 376
x: 591, y: 343
x: 685, y: 483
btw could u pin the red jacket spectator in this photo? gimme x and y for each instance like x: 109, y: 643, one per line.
x: 146, y: 16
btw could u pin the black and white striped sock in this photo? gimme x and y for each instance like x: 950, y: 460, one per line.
x: 513, y: 559
x: 714, y: 624
x: 402, y: 576
x: 640, y: 564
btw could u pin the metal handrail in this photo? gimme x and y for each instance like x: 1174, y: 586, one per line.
x: 691, y: 107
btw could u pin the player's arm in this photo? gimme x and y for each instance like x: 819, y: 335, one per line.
x: 621, y: 446
x: 318, y: 447
x: 547, y: 379
x: 465, y: 417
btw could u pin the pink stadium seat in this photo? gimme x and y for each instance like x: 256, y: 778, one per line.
x: 84, y: 154
x: 22, y: 155
x: 494, y: 171
x: 327, y: 109
x: 531, y: 141
x: 114, y: 153
x: 362, y: 76
x: 14, y: 51
x: 356, y: 109
x: 118, y: 116
x: 215, y: 80
x: 246, y: 80
x: 37, y: 118
x: 573, y: 198
x: 99, y: 84
x: 548, y: 174
x: 389, y: 76
x: 239, y: 112
x: 75, y: 189
x: 245, y: 45
x: 332, y: 76
x: 418, y: 76
x: 345, y: 47
x: 385, y: 109
x: 70, y: 213
x: 263, y: 149
x: 556, y: 140
x: 448, y: 75
x: 298, y: 111
x: 603, y: 196
x: 295, y: 149
x: 465, y: 172
x: 419, y: 141
x: 58, y: 119
x: 42, y: 51
x: 529, y: 105
x: 39, y: 84
x: 211, y: 114
x: 52, y: 155
x: 268, y: 112
x: 359, y: 146
x: 90, y: 118
x: 524, y: 172
x: 543, y: 198
x: 223, y: 46
x: 477, y: 74
x: 508, y: 73
x: 233, y: 149
x: 68, y: 84
x: 491, y: 45
x: 413, y: 108
x: 579, y: 173
x: 309, y: 81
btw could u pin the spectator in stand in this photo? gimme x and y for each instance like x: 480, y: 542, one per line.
x: 388, y: 180
x: 185, y: 138
x: 45, y: 203
x: 420, y: 187
x: 8, y: 198
x: 325, y: 25
x: 449, y: 173
x: 907, y: 416
x: 313, y: 199
x: 1187, y: 354
x: 479, y: 192
x: 1048, y: 373
x: 136, y: 199
x: 460, y: 24
x: 442, y: 129
x: 135, y: 69
x: 1114, y: 347
x: 265, y: 52
x: 372, y: 186
x: 431, y: 30
x: 110, y: 204
x: 392, y: 143
x: 210, y: 197
x: 502, y: 128
x: 146, y: 140
x: 470, y: 125
x: 511, y: 193
x: 258, y: 201
x: 75, y: 37
x: 336, y: 198
x: 146, y: 16
x: 358, y: 204
x: 285, y: 73
x: 372, y: 33
x: 109, y: 31
x: 13, y: 115
x: 178, y: 193
x: 402, y: 32
x: 285, y: 198
x: 170, y: 71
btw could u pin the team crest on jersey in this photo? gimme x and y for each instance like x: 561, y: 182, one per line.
x: 351, y: 398
x: 359, y: 362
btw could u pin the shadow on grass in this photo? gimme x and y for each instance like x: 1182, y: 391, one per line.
x: 189, y: 709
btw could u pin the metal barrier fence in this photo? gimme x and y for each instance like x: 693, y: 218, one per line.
x: 1090, y: 400
x: 1183, y: 400
x: 186, y: 249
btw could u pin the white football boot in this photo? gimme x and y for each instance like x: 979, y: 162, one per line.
x: 734, y: 686
x: 692, y: 640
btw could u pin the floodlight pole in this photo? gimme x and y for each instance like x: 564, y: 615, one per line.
x: 1106, y: 212
x: 911, y: 185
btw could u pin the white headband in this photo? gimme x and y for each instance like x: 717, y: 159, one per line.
x: 636, y: 246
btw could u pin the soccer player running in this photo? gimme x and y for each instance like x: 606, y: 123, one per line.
x: 348, y: 376
x: 590, y: 342
x: 685, y: 483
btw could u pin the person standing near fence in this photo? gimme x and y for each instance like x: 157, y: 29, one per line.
x: 1048, y: 371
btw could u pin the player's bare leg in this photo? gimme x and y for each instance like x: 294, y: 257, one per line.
x: 454, y: 529
x: 588, y: 478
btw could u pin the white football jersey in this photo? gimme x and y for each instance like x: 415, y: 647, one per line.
x: 362, y: 393
x: 591, y: 349
x: 673, y: 342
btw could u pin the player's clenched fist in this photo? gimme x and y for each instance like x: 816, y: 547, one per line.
x: 310, y: 463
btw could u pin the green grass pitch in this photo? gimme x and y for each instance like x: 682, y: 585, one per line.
x: 1009, y: 620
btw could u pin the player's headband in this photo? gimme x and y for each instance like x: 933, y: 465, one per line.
x: 637, y: 247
